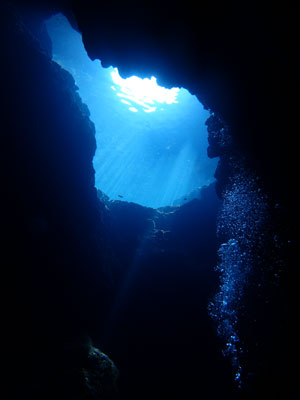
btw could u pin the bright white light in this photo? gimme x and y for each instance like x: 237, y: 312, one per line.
x: 125, y: 102
x: 144, y: 92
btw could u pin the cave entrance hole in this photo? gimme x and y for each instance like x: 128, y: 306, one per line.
x: 151, y: 141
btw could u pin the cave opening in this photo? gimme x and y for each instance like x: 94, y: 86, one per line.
x: 151, y: 140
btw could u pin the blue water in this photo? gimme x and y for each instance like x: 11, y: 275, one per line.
x: 151, y: 142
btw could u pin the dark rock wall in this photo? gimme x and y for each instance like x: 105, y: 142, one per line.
x: 51, y: 220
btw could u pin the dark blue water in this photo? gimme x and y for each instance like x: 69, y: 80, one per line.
x: 151, y: 141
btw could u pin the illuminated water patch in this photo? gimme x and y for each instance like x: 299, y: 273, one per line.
x: 144, y: 92
x: 151, y: 141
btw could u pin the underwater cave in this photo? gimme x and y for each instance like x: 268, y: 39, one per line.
x: 147, y: 227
